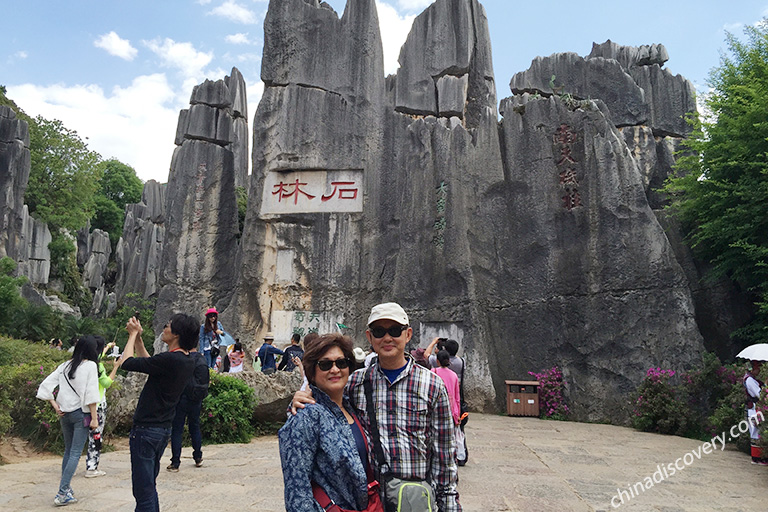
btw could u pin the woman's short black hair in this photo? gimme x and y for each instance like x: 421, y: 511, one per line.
x: 317, y: 347
x: 444, y: 358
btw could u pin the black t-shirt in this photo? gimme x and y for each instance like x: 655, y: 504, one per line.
x: 168, y: 373
x: 287, y: 363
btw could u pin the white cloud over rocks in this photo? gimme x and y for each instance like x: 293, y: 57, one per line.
x: 394, y: 31
x: 233, y: 11
x: 135, y: 124
x: 180, y: 56
x: 117, y: 46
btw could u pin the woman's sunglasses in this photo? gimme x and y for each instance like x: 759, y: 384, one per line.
x: 327, y: 364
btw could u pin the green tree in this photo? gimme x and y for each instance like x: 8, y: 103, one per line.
x: 720, y: 188
x: 119, y: 186
x: 64, y: 175
x: 10, y: 298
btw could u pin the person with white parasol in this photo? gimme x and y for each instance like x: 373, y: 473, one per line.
x: 753, y: 387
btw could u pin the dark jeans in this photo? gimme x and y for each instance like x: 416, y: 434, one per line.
x: 186, y: 409
x: 147, y: 445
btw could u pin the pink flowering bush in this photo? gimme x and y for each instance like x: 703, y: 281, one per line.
x: 699, y: 403
x: 552, y: 394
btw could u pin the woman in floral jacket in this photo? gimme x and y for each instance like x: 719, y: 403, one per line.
x: 323, y: 443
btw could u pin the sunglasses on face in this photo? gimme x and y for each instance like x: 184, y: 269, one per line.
x: 327, y: 364
x: 394, y: 331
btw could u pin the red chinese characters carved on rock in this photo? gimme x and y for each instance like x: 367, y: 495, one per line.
x: 341, y: 190
x: 562, y: 139
x: 344, y: 193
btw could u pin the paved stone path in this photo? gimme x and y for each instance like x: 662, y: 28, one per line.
x: 515, y: 464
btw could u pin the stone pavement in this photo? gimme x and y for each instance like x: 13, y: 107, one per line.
x: 515, y: 464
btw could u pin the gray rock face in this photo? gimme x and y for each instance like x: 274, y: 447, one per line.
x: 139, y: 250
x: 200, y: 243
x: 34, y: 257
x: 533, y: 243
x: 14, y: 174
x: 96, y: 267
x: 568, y: 73
x: 601, y: 276
x: 630, y: 56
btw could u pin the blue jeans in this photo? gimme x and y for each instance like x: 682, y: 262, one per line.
x: 208, y: 360
x: 147, y: 445
x: 75, y: 435
x: 186, y: 409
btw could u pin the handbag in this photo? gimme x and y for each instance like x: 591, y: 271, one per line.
x: 374, y: 500
x: 400, y: 495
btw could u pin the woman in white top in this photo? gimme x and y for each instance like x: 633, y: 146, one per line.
x: 78, y: 397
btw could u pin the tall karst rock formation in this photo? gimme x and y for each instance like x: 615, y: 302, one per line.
x: 532, y: 240
x: 199, y: 243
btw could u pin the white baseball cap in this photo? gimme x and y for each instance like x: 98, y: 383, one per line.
x: 388, y: 311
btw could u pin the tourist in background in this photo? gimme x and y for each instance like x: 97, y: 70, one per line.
x: 75, y: 405
x: 292, y: 352
x: 93, y: 453
x: 188, y: 410
x: 323, y: 449
x: 267, y: 354
x: 236, y: 357
x: 210, y: 337
x: 753, y: 388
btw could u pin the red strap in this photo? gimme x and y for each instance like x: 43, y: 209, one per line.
x: 323, y: 499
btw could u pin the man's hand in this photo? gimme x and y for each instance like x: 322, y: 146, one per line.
x: 133, y: 326
x: 300, y: 398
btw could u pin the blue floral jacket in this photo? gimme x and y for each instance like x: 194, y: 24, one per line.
x: 317, y: 445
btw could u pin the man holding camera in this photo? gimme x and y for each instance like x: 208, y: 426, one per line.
x: 168, y: 373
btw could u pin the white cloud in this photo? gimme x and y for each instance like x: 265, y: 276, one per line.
x: 115, y: 45
x: 413, y: 5
x: 239, y: 38
x: 135, y: 124
x: 181, y: 56
x: 394, y: 31
x: 733, y: 28
x: 20, y: 54
x: 233, y: 11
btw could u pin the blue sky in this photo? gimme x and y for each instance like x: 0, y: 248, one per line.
x: 119, y: 72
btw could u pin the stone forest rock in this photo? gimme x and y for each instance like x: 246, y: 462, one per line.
x: 139, y: 250
x: 533, y: 242
x: 198, y: 263
x: 14, y: 174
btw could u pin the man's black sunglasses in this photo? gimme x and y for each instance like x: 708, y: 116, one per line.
x: 326, y: 364
x: 394, y: 331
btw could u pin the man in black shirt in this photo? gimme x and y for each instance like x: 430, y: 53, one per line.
x: 294, y: 350
x: 168, y: 373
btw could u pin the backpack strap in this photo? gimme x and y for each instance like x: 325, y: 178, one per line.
x: 375, y: 436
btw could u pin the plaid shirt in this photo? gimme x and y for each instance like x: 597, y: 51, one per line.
x: 416, y: 427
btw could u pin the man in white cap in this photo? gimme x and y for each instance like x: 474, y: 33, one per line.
x: 413, y: 410
x: 267, y: 355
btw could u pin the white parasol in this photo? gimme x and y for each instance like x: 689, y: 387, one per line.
x: 758, y: 352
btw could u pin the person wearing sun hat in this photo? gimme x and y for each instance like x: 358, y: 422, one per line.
x: 210, y: 337
x: 267, y: 354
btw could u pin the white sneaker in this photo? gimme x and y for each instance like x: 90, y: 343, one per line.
x: 93, y: 473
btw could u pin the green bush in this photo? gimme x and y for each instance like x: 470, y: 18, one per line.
x: 227, y: 415
x: 659, y: 406
x: 22, y: 413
